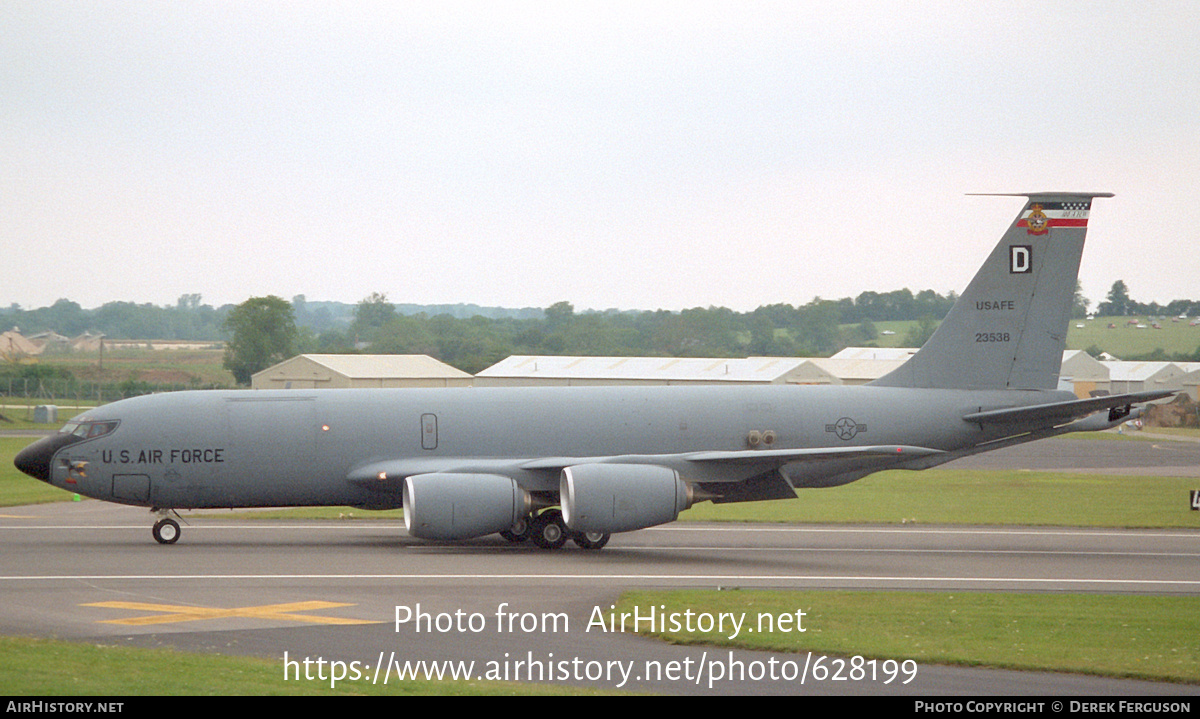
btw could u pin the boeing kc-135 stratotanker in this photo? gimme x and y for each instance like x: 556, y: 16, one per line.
x: 559, y: 463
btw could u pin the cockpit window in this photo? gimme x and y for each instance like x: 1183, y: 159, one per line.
x: 99, y: 429
x: 89, y: 429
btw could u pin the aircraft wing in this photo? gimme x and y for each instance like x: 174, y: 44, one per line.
x: 814, y: 454
x: 746, y: 456
x: 388, y: 475
x: 1072, y: 409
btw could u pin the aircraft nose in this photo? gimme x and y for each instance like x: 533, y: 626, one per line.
x: 34, y: 460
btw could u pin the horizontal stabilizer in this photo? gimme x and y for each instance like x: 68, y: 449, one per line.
x: 1064, y: 411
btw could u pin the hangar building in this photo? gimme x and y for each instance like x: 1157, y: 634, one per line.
x: 543, y: 370
x: 1142, y: 376
x: 340, y: 371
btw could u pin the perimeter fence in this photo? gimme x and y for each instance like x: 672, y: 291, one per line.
x: 16, y: 392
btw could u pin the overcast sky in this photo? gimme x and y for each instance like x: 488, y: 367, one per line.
x: 636, y: 155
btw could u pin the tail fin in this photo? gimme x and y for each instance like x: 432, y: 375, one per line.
x: 1008, y: 329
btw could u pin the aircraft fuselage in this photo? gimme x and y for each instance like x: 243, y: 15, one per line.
x: 295, y: 447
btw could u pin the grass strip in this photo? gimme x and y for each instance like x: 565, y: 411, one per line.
x: 935, y: 496
x: 15, y: 487
x: 47, y: 667
x: 1124, y: 636
x: 945, y: 496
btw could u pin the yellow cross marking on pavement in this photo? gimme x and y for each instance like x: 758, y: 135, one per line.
x: 177, y: 613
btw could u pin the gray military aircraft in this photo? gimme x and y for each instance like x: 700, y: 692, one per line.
x: 580, y: 463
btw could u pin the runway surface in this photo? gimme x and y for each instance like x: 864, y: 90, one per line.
x: 90, y: 571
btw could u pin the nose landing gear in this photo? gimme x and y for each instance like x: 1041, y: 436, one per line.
x: 165, y: 530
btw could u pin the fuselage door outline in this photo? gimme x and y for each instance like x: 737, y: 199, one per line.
x: 429, y: 431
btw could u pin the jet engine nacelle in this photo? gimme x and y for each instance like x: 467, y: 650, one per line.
x: 461, y: 506
x: 621, y: 497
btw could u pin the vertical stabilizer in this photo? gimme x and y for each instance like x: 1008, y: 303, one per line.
x: 1009, y: 328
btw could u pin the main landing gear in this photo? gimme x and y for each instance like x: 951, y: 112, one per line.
x: 548, y: 531
x: 165, y: 530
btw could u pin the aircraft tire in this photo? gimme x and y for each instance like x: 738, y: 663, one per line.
x: 548, y: 531
x: 166, y: 531
x: 519, y: 532
x: 590, y: 540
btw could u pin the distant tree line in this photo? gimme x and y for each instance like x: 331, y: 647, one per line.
x: 473, y: 343
x: 1119, y: 304
x: 188, y: 319
x: 261, y: 331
